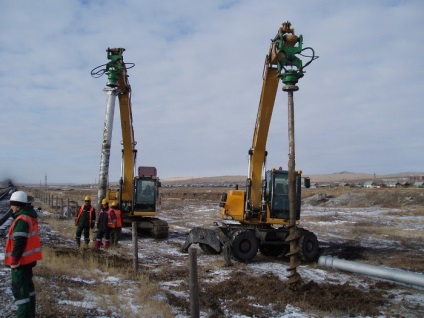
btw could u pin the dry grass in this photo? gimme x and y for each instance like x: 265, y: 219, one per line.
x: 82, y: 277
x: 416, y: 211
x: 382, y: 231
x: 66, y: 229
x: 85, y: 276
x: 241, y: 292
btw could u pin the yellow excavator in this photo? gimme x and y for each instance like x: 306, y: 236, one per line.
x: 258, y: 218
x: 138, y: 192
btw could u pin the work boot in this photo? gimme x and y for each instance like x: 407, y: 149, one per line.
x: 78, y: 241
x: 107, y: 244
x: 87, y: 242
x: 97, y: 246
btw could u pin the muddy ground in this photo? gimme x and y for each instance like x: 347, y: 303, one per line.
x: 375, y: 226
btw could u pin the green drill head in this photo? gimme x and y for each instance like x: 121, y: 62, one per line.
x: 114, y: 67
x: 289, y: 65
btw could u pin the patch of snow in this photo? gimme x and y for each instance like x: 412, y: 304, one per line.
x: 293, y: 312
x: 112, y: 279
x: 82, y: 304
x: 78, y: 279
x: 174, y: 283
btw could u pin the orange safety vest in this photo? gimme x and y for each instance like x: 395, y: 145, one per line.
x: 118, y: 214
x: 32, y: 250
x: 111, y: 222
x: 80, y: 212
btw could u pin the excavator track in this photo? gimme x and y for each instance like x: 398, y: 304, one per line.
x: 154, y: 227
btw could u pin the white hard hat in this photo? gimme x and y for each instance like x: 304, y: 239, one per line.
x: 19, y: 196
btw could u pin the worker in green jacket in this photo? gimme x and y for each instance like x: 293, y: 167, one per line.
x: 23, y: 250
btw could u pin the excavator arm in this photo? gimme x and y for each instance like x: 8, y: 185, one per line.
x: 129, y: 152
x: 118, y: 85
x: 133, y: 198
x: 263, y: 217
x: 281, y: 55
x: 257, y: 154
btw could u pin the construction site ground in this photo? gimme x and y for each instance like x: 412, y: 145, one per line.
x: 381, y: 227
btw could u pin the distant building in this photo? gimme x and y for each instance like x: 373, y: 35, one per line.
x: 370, y: 184
x: 393, y: 184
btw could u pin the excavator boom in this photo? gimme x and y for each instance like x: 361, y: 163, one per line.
x: 263, y: 120
x: 260, y: 217
x: 128, y: 143
x: 137, y: 195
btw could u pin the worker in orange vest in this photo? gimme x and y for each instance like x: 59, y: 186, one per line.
x: 105, y: 222
x: 86, y: 217
x: 116, y: 231
x: 23, y: 250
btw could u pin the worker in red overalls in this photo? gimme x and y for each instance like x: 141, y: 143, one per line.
x: 86, y: 217
x: 23, y: 250
x: 116, y: 231
x: 105, y: 222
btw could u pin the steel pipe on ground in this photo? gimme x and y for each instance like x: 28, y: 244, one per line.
x: 371, y: 270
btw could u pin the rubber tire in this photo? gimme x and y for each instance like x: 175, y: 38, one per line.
x: 274, y: 250
x: 157, y: 233
x: 244, y: 245
x: 207, y: 249
x: 309, y: 246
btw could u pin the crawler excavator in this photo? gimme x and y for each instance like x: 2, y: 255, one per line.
x: 138, y: 192
x: 258, y: 218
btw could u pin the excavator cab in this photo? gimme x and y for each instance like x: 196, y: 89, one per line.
x: 277, y: 194
x: 145, y: 194
x: 146, y: 190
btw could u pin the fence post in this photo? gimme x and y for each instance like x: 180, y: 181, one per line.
x: 135, y: 245
x: 194, y: 284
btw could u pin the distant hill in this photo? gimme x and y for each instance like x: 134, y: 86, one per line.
x: 343, y: 176
x: 193, y: 180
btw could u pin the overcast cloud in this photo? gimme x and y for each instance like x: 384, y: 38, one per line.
x: 196, y: 86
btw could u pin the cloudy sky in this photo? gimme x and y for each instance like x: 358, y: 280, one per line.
x: 196, y: 86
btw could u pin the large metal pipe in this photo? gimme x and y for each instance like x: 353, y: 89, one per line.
x: 371, y: 270
x: 106, y: 144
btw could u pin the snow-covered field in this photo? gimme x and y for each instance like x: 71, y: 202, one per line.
x: 378, y: 236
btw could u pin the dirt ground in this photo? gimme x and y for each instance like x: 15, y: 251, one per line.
x: 375, y: 226
x: 378, y: 240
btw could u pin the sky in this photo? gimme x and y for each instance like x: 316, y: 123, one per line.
x: 196, y: 86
